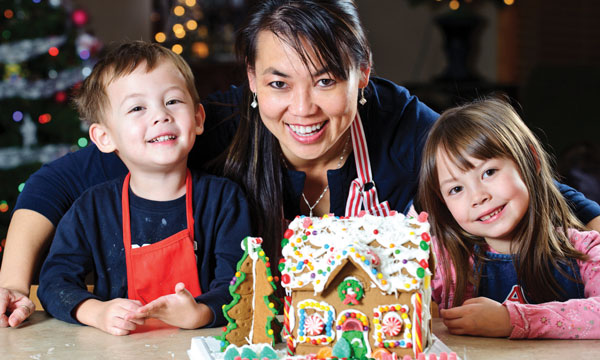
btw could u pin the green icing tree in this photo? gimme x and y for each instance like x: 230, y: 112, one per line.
x: 254, y: 306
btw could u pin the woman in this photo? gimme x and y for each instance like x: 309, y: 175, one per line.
x: 316, y: 135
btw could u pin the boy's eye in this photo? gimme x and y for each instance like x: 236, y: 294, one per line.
x: 277, y: 84
x: 172, y: 102
x: 136, y: 108
x: 455, y: 190
x: 489, y: 172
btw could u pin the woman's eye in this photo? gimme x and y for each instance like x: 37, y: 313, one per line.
x: 326, y: 82
x: 277, y: 84
x: 455, y: 190
x: 489, y: 172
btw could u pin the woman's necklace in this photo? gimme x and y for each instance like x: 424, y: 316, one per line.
x: 339, y: 164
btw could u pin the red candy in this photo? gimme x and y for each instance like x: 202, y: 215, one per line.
x: 288, y: 233
x: 285, y: 278
x: 425, y: 237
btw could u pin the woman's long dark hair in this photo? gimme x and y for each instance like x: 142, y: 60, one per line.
x: 335, y: 34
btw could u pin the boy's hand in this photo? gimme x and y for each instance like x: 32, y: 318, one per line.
x: 179, y: 309
x: 109, y: 316
x: 478, y: 316
x: 18, y: 304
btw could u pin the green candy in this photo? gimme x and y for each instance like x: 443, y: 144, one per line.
x: 268, y: 353
x: 231, y: 354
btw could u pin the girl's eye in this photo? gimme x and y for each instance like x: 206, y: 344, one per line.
x: 489, y: 172
x: 326, y: 82
x: 277, y: 84
x: 174, y: 101
x: 455, y: 190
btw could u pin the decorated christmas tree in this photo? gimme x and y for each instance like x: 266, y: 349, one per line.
x: 251, y: 316
x: 44, y: 52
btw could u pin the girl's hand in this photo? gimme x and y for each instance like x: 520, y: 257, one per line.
x: 109, y: 316
x: 478, y: 316
x: 179, y: 309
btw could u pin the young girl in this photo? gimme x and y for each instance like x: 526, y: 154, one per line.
x: 513, y: 260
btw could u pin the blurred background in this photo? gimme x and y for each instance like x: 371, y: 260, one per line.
x: 545, y: 54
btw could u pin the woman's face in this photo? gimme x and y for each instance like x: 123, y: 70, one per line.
x: 307, y: 109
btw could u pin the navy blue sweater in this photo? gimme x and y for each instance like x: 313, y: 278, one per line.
x: 89, y: 237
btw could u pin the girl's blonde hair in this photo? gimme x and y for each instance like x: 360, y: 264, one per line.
x: 485, y: 129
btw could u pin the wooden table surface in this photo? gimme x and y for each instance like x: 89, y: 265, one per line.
x: 43, y: 337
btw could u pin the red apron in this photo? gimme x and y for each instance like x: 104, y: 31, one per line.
x: 153, y: 270
x: 362, y: 189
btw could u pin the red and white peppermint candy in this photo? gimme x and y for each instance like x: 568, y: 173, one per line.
x: 314, y: 325
x: 392, y: 324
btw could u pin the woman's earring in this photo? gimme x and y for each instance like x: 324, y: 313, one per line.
x: 362, y: 100
x: 254, y: 103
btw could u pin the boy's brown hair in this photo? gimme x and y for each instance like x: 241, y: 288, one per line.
x: 91, y: 99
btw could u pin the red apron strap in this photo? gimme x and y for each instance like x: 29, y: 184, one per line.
x: 189, y: 212
x: 358, y: 196
x: 126, y: 220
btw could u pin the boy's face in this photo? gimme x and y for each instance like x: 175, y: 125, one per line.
x: 151, y: 121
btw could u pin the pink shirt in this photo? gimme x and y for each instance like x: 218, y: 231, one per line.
x: 572, y: 319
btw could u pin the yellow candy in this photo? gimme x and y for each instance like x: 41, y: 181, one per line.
x: 238, y: 274
x: 261, y: 254
x: 270, y: 331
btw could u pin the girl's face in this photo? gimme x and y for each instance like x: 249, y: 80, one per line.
x: 488, y: 201
x: 306, y: 109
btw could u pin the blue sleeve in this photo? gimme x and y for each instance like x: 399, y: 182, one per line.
x: 52, y: 189
x: 585, y: 209
x: 230, y: 226
x: 62, y: 278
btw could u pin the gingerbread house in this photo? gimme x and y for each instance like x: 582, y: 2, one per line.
x: 357, y: 287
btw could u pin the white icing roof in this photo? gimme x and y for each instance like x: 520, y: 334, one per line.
x: 381, y: 246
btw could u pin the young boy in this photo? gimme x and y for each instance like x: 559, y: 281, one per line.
x: 160, y: 227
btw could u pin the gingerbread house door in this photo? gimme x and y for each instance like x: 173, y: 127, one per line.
x: 353, y: 332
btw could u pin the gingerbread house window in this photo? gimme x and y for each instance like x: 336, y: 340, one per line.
x: 316, y: 322
x: 392, y: 326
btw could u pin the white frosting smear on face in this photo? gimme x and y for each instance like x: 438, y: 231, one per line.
x: 393, y: 251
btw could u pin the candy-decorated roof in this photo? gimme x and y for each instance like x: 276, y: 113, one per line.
x: 393, y: 251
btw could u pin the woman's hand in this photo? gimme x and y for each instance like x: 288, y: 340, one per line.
x: 478, y: 316
x: 179, y: 309
x: 17, y: 304
x: 109, y: 316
